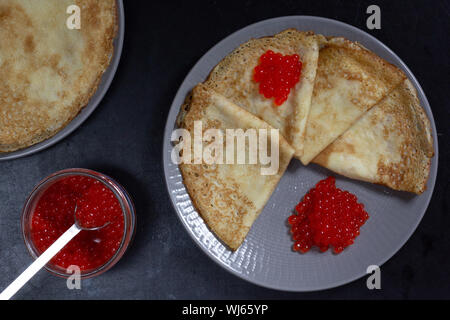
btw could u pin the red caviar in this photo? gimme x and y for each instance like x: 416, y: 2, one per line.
x: 327, y: 217
x: 96, y: 204
x: 277, y: 74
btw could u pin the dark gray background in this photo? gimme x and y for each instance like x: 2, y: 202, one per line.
x: 123, y: 138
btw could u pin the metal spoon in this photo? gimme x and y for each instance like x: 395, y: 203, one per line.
x: 45, y: 257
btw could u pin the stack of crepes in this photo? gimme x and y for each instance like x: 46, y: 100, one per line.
x: 351, y: 112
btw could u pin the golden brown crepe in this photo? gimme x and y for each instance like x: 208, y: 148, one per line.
x: 47, y: 71
x: 390, y: 145
x: 349, y: 81
x: 365, y: 121
x: 229, y: 197
x: 233, y: 78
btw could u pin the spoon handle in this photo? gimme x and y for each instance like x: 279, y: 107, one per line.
x: 40, y: 262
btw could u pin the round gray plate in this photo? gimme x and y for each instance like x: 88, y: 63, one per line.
x: 93, y: 102
x: 265, y: 257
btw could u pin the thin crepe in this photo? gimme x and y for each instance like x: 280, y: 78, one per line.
x: 390, y: 145
x: 229, y: 197
x: 349, y: 81
x: 233, y: 78
x: 49, y: 72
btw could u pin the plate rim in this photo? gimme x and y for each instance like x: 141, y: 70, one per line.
x: 93, y: 103
x: 433, y: 165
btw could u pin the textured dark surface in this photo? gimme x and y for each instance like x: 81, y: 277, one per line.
x: 123, y: 138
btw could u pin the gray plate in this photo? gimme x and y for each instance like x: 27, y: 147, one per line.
x: 265, y: 257
x: 93, y: 102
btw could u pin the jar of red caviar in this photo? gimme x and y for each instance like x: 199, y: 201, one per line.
x: 48, y: 212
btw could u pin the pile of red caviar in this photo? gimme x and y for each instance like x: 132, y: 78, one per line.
x: 96, y: 204
x: 327, y: 217
x: 277, y: 74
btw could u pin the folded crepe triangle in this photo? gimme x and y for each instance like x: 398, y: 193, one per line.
x: 390, y: 145
x: 233, y: 78
x: 229, y: 197
x: 349, y: 81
